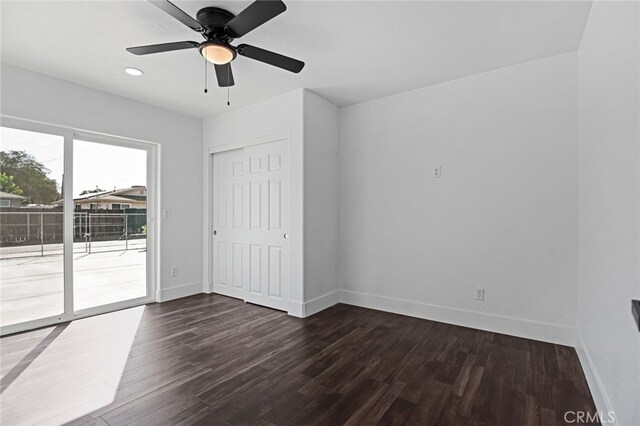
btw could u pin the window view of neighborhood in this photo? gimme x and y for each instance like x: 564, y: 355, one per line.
x: 31, y: 264
x: 109, y: 225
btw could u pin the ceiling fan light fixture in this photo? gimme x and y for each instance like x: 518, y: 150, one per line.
x: 217, y: 53
x: 219, y: 28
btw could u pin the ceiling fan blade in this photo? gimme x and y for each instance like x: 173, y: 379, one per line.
x: 177, y: 13
x: 270, y: 58
x: 164, y: 47
x: 224, y: 75
x: 256, y: 14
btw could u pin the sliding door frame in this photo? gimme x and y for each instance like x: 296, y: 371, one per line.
x: 153, y: 224
x: 151, y: 221
x: 67, y: 187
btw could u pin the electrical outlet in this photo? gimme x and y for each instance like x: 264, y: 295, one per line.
x: 479, y: 293
x: 437, y: 172
x: 166, y: 213
x: 174, y: 271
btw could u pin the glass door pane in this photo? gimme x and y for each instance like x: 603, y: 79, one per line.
x: 110, y: 224
x: 31, y: 226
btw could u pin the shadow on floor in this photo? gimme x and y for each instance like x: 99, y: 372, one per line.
x: 25, y: 362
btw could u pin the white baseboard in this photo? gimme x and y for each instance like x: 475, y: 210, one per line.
x: 495, y: 323
x: 320, y: 303
x: 545, y: 332
x: 598, y: 392
x: 184, y: 290
x: 295, y: 309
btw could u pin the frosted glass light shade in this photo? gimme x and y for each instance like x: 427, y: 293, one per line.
x: 218, y: 54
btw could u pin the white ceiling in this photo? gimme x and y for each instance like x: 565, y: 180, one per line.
x: 355, y: 51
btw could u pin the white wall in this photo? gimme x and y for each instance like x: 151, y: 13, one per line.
x: 503, y: 216
x: 282, y: 113
x: 31, y: 96
x: 312, y: 124
x: 609, y: 223
x: 320, y: 203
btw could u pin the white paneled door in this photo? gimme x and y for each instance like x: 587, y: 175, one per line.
x: 250, y: 224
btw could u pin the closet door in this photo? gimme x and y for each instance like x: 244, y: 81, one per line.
x: 230, y: 217
x: 268, y: 224
x: 251, y: 224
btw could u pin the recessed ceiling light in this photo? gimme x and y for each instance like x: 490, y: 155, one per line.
x: 133, y: 71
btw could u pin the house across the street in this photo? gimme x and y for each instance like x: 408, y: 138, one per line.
x: 11, y: 200
x: 134, y: 197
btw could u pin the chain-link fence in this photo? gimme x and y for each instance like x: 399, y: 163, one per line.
x: 25, y: 234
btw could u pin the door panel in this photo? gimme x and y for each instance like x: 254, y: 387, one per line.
x: 275, y: 204
x: 275, y: 271
x: 256, y: 269
x: 228, y: 223
x: 31, y: 237
x: 221, y: 266
x: 256, y: 196
x: 110, y: 260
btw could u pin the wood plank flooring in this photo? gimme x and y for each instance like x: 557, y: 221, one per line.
x: 213, y: 360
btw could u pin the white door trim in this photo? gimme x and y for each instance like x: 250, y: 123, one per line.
x: 272, y: 137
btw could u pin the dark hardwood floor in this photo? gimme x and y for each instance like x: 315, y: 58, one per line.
x: 212, y: 360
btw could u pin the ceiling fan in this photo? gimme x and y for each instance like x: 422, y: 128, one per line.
x: 219, y: 28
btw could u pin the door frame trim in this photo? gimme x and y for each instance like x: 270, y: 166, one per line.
x: 271, y: 137
x: 207, y: 282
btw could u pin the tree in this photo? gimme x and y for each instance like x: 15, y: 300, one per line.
x: 8, y: 185
x: 30, y: 176
x: 92, y: 191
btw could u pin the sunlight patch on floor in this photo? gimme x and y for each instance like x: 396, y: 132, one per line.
x: 77, y: 372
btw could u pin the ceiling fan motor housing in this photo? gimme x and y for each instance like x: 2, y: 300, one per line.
x: 215, y: 20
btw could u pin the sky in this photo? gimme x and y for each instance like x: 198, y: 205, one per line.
x: 104, y: 166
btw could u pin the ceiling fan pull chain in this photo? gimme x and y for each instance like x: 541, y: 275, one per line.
x: 205, y: 75
x: 228, y: 70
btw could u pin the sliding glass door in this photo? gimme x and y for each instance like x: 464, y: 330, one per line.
x: 31, y: 226
x: 76, y: 233
x: 110, y: 223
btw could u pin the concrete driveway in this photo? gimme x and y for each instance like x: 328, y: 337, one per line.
x: 32, y: 287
